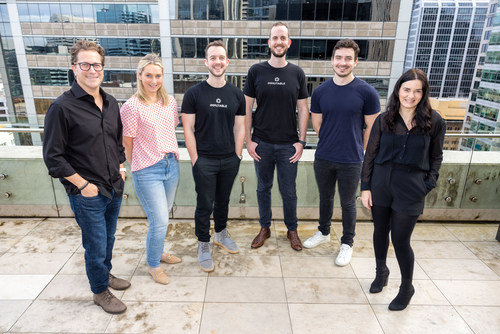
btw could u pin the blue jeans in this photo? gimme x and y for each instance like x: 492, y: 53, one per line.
x: 327, y: 174
x: 97, y: 218
x: 274, y: 155
x: 214, y: 180
x: 155, y: 187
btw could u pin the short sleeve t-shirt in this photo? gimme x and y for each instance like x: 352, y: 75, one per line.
x: 343, y: 109
x: 215, y: 109
x: 152, y: 128
x: 276, y: 91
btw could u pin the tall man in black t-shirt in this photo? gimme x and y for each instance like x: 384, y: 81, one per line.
x: 213, y: 116
x: 279, y: 88
x: 82, y: 146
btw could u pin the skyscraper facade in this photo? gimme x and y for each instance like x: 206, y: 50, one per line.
x: 36, y: 37
x: 444, y: 41
x: 483, y: 112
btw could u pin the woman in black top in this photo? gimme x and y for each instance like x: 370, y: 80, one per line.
x: 401, y: 165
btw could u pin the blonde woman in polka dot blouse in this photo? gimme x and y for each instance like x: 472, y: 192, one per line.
x: 149, y: 119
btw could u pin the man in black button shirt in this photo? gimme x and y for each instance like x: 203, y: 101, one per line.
x: 82, y: 146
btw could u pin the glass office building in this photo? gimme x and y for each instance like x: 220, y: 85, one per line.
x: 444, y: 41
x: 36, y: 38
x: 483, y: 113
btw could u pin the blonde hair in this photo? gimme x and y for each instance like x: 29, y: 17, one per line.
x: 150, y: 59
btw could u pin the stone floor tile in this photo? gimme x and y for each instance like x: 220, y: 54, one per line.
x: 180, y: 245
x: 493, y: 265
x: 11, y: 310
x: 485, y: 250
x: 245, y: 318
x: 17, y: 226
x: 480, y: 293
x: 249, y: 228
x: 70, y: 287
x: 178, y: 289
x: 426, y: 293
x: 364, y: 231
x: 248, y: 266
x: 365, y: 268
x: 314, y: 267
x: 124, y: 265
x: 330, y: 249
x: 7, y: 242
x: 456, y: 269
x: 63, y: 317
x: 482, y: 319
x: 158, y: 317
x: 245, y: 290
x: 188, y: 267
x: 417, y: 319
x: 47, y: 243
x: 474, y: 232
x: 324, y: 290
x: 270, y: 247
x: 32, y: 263
x: 436, y: 232
x: 441, y: 250
x: 60, y: 226
x: 132, y: 227
x: 22, y: 286
x: 129, y: 244
x: 333, y: 318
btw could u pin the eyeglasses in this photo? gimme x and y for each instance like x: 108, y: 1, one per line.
x: 98, y: 67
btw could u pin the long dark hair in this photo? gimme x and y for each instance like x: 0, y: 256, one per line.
x: 422, y: 120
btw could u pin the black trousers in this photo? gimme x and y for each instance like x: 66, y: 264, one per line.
x: 214, y: 180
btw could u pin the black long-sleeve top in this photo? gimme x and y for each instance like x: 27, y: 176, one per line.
x: 79, y: 138
x: 402, y: 147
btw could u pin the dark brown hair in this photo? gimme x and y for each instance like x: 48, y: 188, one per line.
x: 83, y: 44
x: 422, y: 119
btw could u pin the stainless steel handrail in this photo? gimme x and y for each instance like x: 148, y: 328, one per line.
x: 309, y: 133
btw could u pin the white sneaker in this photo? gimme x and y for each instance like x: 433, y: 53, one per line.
x: 344, y: 256
x: 316, y: 240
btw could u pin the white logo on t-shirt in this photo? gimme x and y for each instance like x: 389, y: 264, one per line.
x: 276, y: 82
x: 218, y: 104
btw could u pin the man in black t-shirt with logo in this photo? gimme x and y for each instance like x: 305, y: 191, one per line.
x: 280, y: 89
x: 213, y: 116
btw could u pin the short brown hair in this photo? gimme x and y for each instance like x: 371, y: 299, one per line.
x: 83, y: 44
x: 215, y: 43
x: 280, y: 24
x: 347, y: 44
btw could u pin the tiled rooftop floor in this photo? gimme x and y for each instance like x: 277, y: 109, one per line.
x: 43, y: 286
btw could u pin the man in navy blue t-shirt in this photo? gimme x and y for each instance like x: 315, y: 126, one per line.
x: 340, y: 108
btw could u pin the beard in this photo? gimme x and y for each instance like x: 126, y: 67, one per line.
x: 217, y: 75
x: 279, y: 55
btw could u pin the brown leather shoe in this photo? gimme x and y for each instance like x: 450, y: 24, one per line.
x: 295, y: 242
x: 264, y: 234
x: 109, y: 302
x: 118, y: 283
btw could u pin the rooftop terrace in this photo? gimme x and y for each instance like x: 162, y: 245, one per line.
x: 273, y: 289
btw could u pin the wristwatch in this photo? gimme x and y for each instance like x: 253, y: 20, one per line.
x: 303, y: 143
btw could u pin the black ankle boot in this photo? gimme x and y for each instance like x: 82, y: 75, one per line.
x: 406, y: 291
x: 381, y: 277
